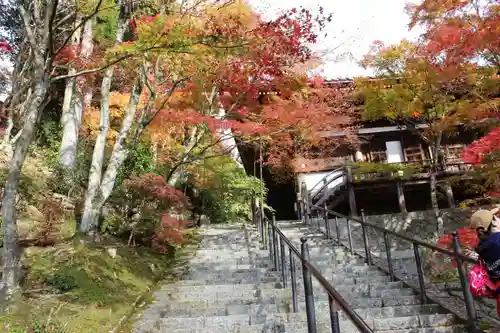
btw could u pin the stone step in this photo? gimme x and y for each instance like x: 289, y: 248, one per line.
x: 231, y: 286
x: 228, y: 265
x: 232, y: 272
x: 320, y: 306
x: 269, y: 291
x: 365, y: 288
x: 325, y: 327
x: 284, y: 298
x: 348, y: 293
x: 245, y: 322
x: 275, y: 277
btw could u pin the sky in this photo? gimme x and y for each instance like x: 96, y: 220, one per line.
x: 355, y: 25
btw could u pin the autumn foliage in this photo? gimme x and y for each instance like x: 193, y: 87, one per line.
x: 154, y: 199
x: 235, y: 60
x: 461, y: 31
x: 169, y: 233
x: 442, y: 263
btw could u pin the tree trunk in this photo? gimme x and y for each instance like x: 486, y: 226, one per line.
x: 175, y: 173
x: 433, y: 188
x: 6, y: 143
x: 74, y: 102
x: 120, y: 151
x: 11, y: 255
x: 433, y: 184
x: 90, y: 215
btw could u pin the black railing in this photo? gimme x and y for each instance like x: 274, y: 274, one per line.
x: 278, y: 255
x: 308, y: 196
x: 324, y: 180
x: 324, y: 189
x: 424, y: 165
x: 456, y: 254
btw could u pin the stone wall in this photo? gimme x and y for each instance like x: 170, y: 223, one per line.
x: 422, y: 224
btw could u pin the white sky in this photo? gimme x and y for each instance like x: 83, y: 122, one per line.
x: 355, y: 25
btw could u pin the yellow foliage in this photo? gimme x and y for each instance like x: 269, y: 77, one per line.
x: 119, y: 100
x: 237, y: 8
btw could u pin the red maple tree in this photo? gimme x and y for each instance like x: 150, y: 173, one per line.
x: 459, y: 31
x: 464, y: 34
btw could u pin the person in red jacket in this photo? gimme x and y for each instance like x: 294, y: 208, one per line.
x: 484, y: 278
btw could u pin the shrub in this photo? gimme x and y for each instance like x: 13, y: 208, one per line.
x: 441, y: 265
x: 168, y: 234
x: 61, y: 281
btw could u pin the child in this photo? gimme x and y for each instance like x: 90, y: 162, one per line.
x: 484, y: 278
x: 484, y: 222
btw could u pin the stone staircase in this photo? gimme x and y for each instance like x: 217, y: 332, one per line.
x: 231, y: 287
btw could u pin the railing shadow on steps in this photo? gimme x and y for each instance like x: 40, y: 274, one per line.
x: 276, y: 242
x: 457, y: 255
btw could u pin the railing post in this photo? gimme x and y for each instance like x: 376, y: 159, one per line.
x: 318, y: 223
x: 304, y: 212
x: 259, y: 225
x: 264, y: 232
x: 469, y: 300
x: 275, y: 244
x: 388, y: 255
x: 254, y: 211
x: 293, y: 278
x: 270, y: 240
x: 308, y: 290
x: 334, y: 315
x: 325, y: 190
x: 309, y: 206
x: 349, y: 235
x: 327, y: 224
x: 299, y: 209
x: 365, y: 238
x: 283, y: 261
x: 337, y: 229
x: 305, y: 198
x: 351, y: 191
x: 420, y: 272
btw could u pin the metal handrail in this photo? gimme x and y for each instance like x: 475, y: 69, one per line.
x: 456, y: 254
x: 325, y: 177
x: 308, y: 269
x: 325, y: 186
x: 400, y: 236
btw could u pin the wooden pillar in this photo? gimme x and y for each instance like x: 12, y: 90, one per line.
x: 401, y: 197
x: 449, y: 195
x: 352, y: 195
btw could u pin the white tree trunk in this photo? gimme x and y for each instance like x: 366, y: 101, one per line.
x: 74, y: 102
x: 6, y: 143
x: 90, y: 215
x: 120, y: 150
x: 11, y: 254
x: 227, y: 140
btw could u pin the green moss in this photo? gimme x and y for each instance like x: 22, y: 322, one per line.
x: 397, y: 170
x: 87, y: 290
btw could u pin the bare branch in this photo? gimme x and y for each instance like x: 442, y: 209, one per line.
x: 78, y: 26
x: 31, y: 36
x: 48, y: 33
x: 93, y: 70
x: 169, y: 94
